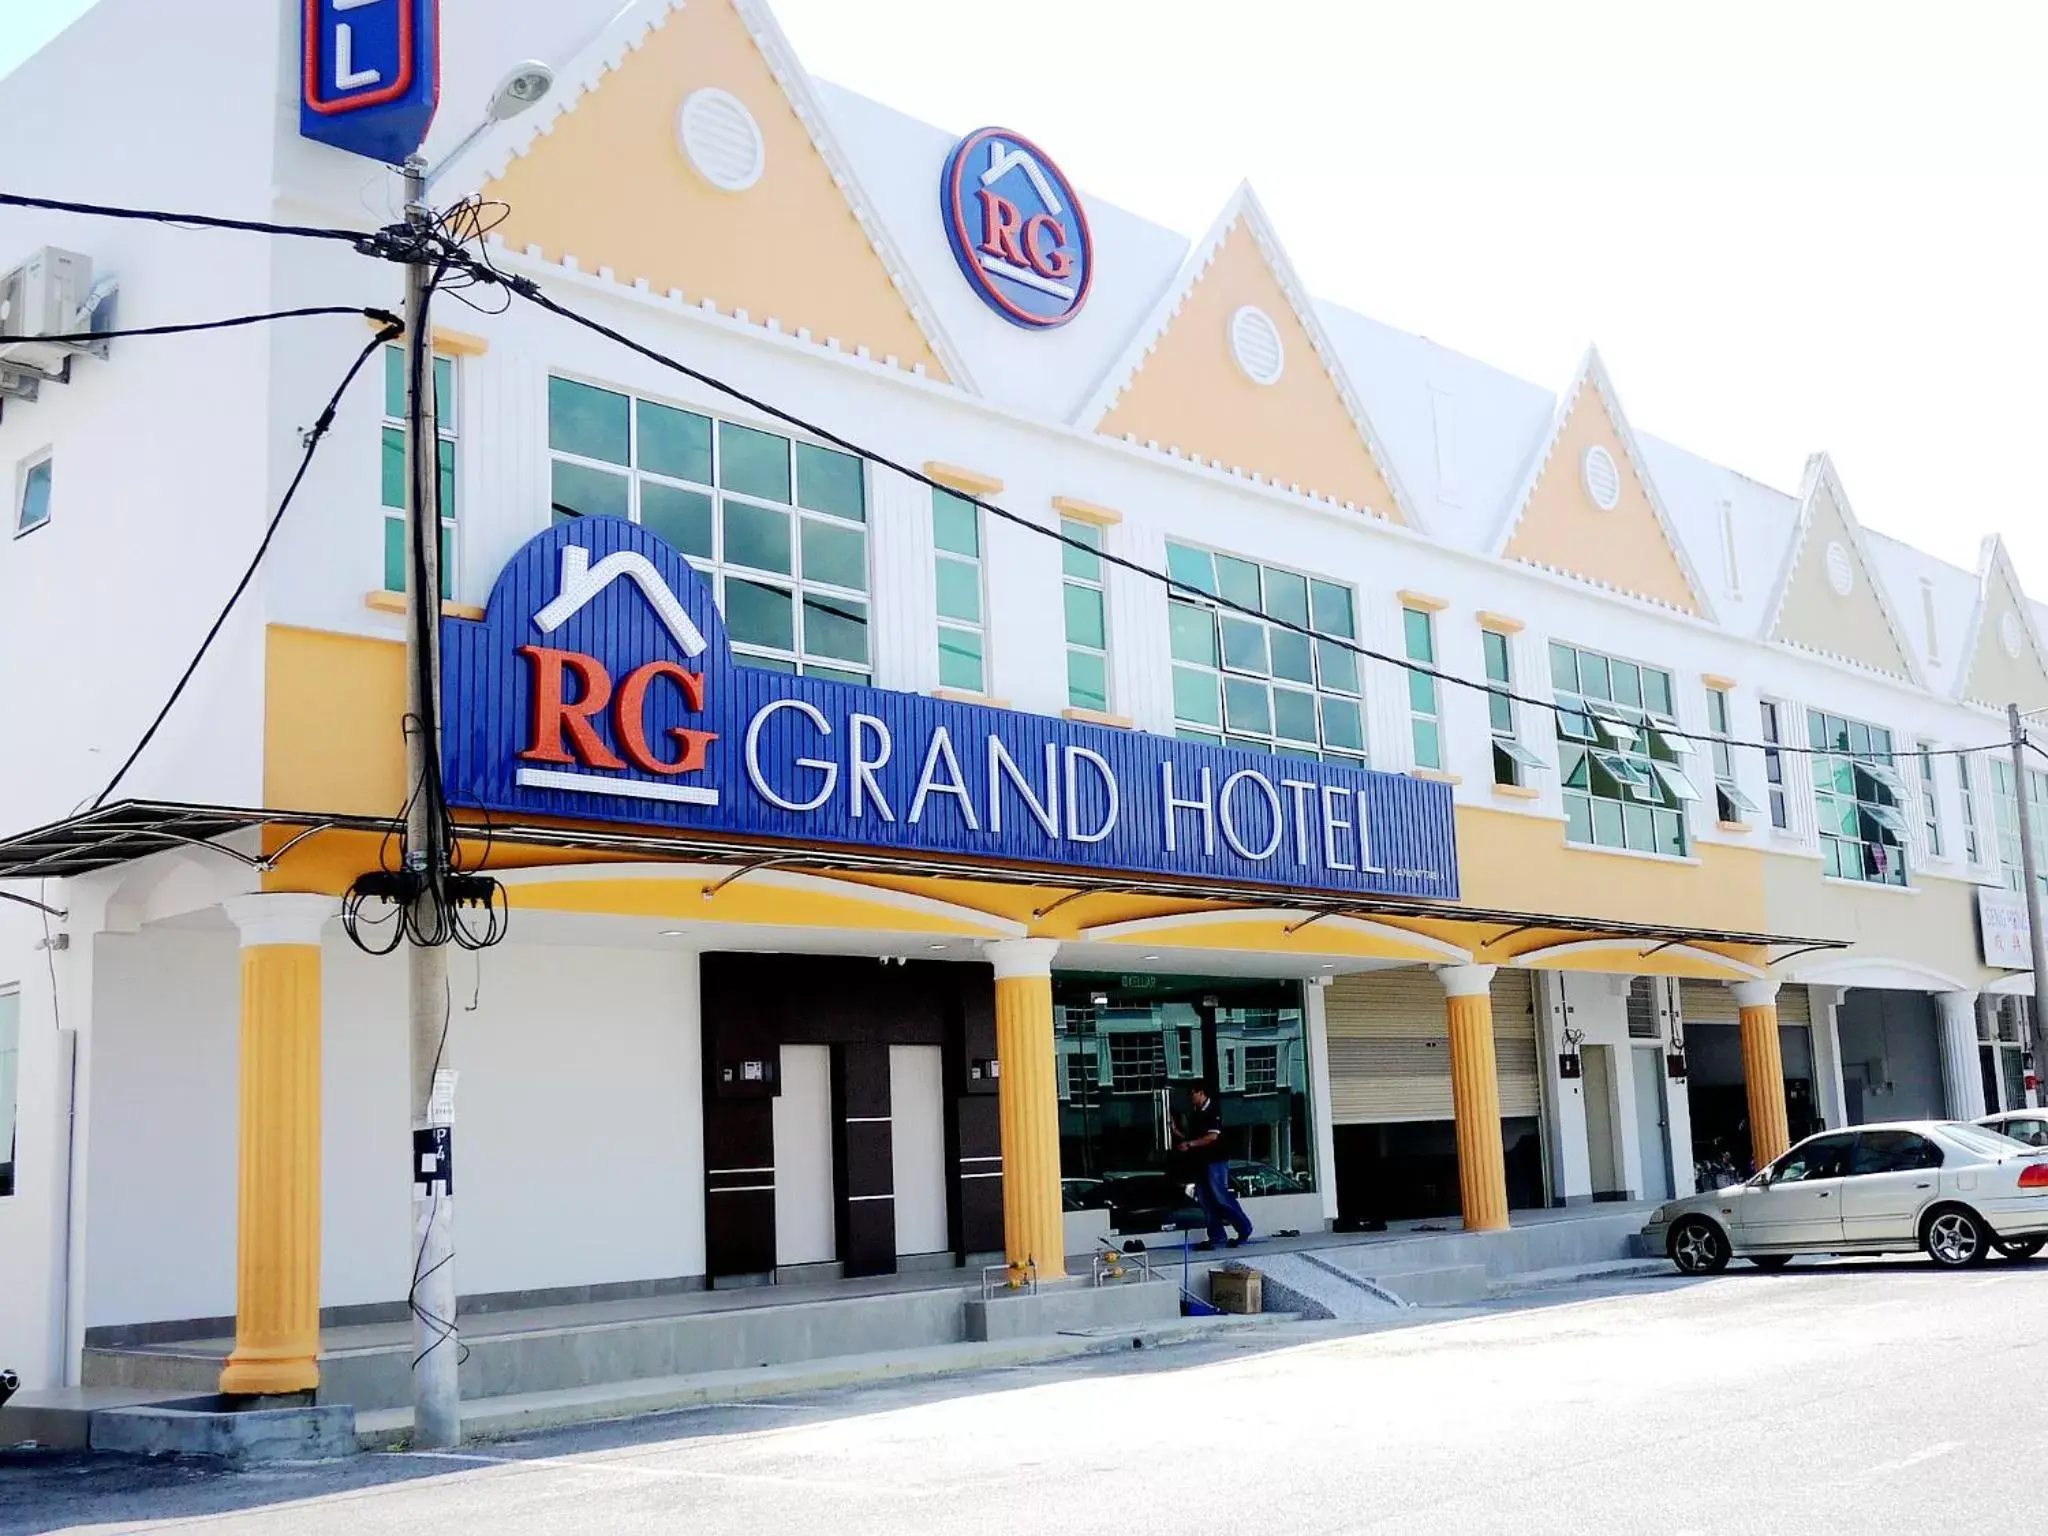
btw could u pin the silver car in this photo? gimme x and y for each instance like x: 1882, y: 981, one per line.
x: 1955, y: 1191
x: 2027, y: 1125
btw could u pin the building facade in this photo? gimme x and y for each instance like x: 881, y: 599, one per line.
x: 1714, y: 761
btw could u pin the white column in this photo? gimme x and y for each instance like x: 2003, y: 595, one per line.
x: 1571, y: 1173
x: 1677, y: 1099
x: 1827, y: 1056
x: 1314, y: 1018
x: 1960, y: 1072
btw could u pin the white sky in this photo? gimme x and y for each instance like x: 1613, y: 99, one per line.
x: 1789, y: 224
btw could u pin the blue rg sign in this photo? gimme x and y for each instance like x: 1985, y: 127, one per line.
x: 599, y: 687
x: 371, y: 75
x: 1017, y: 229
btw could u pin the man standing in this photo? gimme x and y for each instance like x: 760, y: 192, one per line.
x: 1204, y: 1148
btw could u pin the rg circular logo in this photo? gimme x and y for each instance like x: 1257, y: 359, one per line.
x: 1017, y: 229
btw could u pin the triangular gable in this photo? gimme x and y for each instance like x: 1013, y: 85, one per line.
x: 2004, y: 661
x: 1589, y: 509
x: 597, y: 177
x: 1829, y: 598
x: 1233, y: 369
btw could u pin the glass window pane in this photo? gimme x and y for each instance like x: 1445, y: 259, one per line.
x: 1496, y: 647
x: 1195, y: 697
x: 836, y: 627
x: 1238, y: 581
x: 1087, y: 680
x: 1287, y: 597
x: 757, y: 537
x: 753, y: 463
x: 829, y: 481
x: 1294, y: 715
x: 1331, y: 605
x: 444, y: 395
x: 956, y: 524
x: 444, y: 458
x: 394, y: 383
x: 675, y: 442
x: 1079, y: 562
x: 394, y: 468
x: 959, y: 590
x: 770, y: 664
x: 1293, y: 655
x: 1421, y: 693
x: 833, y: 554
x: 394, y: 554
x: 1593, y: 677
x: 1628, y: 684
x: 1244, y: 645
x: 1428, y: 745
x: 1247, y: 705
x: 579, y: 491
x: 588, y: 421
x: 960, y: 659
x: 1192, y: 631
x: 1572, y: 766
x: 1564, y: 668
x: 1194, y: 569
x: 835, y: 674
x: 1419, y: 634
x: 1336, y: 667
x: 680, y: 518
x: 1342, y: 727
x: 1607, y: 824
x: 1578, y: 819
x: 1670, y: 827
x: 1639, y: 828
x: 1085, y: 618
x: 757, y: 614
x: 1500, y: 712
x: 1657, y: 695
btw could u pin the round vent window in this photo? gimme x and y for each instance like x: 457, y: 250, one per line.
x: 2012, y: 635
x: 1603, y: 478
x: 721, y: 139
x: 1841, y: 570
x: 1255, y: 343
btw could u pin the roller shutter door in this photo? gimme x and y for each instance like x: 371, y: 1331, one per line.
x: 1708, y: 1002
x: 1390, y: 1051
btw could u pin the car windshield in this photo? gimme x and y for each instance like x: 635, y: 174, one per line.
x: 1983, y: 1140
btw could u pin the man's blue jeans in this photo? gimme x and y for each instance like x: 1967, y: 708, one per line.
x: 1219, y: 1204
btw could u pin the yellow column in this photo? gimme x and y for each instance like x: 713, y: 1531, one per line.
x: 1763, y: 1068
x: 277, y: 1268
x: 1033, y: 1231
x: 1475, y: 1096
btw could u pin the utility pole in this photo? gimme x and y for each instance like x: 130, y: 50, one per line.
x: 2030, y: 869
x: 436, y: 1394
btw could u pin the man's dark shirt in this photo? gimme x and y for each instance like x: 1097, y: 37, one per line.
x: 1205, y: 1119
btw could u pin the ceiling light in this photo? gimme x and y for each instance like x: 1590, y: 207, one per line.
x: 673, y: 933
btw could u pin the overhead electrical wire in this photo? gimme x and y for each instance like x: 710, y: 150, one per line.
x: 187, y: 328
x: 183, y: 220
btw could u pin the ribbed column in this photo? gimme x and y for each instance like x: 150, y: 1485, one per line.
x: 1763, y: 1068
x: 1960, y: 1066
x: 277, y: 1271
x: 1033, y: 1230
x: 1475, y: 1096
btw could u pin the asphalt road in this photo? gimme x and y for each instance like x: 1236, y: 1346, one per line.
x: 1841, y: 1398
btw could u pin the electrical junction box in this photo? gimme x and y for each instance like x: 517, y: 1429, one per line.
x: 50, y: 294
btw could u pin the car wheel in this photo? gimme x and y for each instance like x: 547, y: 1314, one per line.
x: 1955, y: 1238
x: 1770, y: 1260
x: 2021, y: 1248
x: 1698, y: 1247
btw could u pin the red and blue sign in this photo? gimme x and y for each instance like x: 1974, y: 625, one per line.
x: 1017, y: 229
x: 599, y: 687
x: 370, y: 75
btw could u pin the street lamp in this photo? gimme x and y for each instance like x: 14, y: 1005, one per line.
x: 436, y: 1393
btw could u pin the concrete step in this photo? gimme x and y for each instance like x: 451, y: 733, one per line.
x: 1447, y: 1285
x: 1578, y: 1274
x: 520, y: 1413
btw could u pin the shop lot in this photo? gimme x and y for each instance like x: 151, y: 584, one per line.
x: 1836, y: 1397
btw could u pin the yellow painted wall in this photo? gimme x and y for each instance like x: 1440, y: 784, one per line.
x: 1190, y: 394
x: 610, y: 185
x: 332, y: 712
x: 1996, y: 678
x: 1933, y: 925
x: 1815, y: 616
x: 1562, y: 528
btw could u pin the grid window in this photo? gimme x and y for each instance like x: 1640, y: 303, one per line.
x: 1425, y: 697
x: 1625, y: 780
x: 1512, y: 761
x: 1087, y: 615
x: 1774, y: 765
x: 1858, y: 800
x: 1730, y: 803
x: 1261, y: 1068
x: 397, y: 560
x: 1084, y: 1071
x: 32, y: 509
x: 1137, y: 1062
x: 963, y: 624
x: 1973, y: 847
x: 1184, y: 1052
x: 1930, y: 799
x: 10, y: 1079
x: 778, y: 528
x: 1255, y: 684
x: 2005, y: 812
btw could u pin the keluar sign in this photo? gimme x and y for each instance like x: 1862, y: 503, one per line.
x: 599, y: 686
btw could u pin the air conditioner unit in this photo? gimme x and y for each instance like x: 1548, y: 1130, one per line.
x: 50, y: 294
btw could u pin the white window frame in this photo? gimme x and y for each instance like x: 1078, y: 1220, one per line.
x: 1973, y: 837
x: 1080, y: 528
x: 1770, y: 714
x: 978, y: 562
x: 1930, y: 799
x: 448, y: 430
x: 41, y: 459
x: 10, y: 1088
x: 1513, y: 758
x: 1431, y: 719
x: 1732, y: 806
